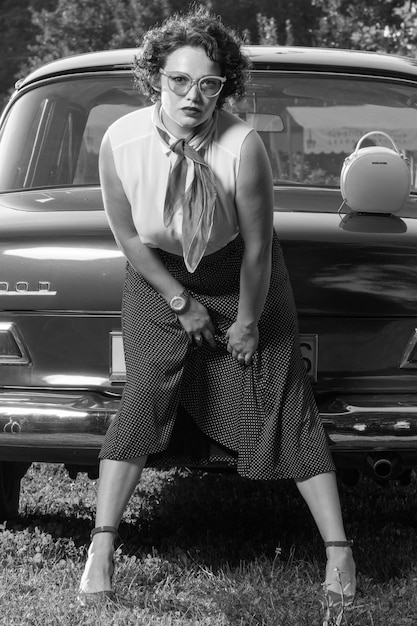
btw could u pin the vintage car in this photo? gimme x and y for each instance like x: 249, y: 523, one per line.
x: 354, y: 272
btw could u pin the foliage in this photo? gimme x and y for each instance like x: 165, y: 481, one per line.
x: 39, y: 31
x: 292, y: 22
x: 267, y: 29
x: 17, y: 33
x: 388, y: 26
x: 204, y: 549
x: 401, y: 36
x: 88, y: 25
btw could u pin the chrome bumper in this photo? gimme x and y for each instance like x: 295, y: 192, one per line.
x: 69, y: 426
x: 371, y: 422
x: 54, y: 426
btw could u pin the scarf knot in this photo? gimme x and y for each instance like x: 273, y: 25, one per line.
x: 191, y: 187
x: 178, y: 146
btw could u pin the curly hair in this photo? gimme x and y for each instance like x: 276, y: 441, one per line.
x: 198, y: 28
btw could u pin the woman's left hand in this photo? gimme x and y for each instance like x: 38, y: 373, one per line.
x: 242, y: 342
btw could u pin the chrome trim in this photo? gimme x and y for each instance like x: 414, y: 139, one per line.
x: 25, y: 358
x: 74, y: 423
x: 22, y: 288
x: 68, y: 413
x: 356, y: 425
x: 406, y: 362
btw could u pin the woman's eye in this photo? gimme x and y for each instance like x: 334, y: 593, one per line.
x: 181, y: 80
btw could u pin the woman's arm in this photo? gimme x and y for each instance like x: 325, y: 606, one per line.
x: 195, y: 320
x: 254, y: 202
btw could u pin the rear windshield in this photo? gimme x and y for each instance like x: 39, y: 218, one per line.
x: 52, y: 134
x: 308, y: 122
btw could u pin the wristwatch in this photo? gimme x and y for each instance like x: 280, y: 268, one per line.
x: 179, y: 303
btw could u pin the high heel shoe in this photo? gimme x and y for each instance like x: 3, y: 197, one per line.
x: 88, y: 598
x: 333, y: 603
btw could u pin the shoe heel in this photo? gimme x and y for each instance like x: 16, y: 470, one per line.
x: 333, y: 603
x: 97, y: 598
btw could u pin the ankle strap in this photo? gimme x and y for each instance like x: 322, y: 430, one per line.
x: 104, y: 529
x: 339, y: 544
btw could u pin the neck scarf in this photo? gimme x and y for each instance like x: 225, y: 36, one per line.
x: 190, y: 187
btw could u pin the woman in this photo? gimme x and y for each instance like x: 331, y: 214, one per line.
x: 188, y: 192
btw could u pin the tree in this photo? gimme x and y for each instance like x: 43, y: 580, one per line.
x: 296, y: 20
x: 267, y: 30
x: 39, y: 31
x: 401, y: 36
x: 17, y: 32
x: 76, y: 26
x: 388, y: 26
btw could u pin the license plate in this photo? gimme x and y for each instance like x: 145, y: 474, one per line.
x: 308, y: 346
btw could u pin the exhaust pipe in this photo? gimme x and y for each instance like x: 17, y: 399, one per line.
x: 383, y: 468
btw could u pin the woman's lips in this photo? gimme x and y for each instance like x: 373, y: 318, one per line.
x: 191, y: 111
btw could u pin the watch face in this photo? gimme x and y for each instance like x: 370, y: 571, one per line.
x: 178, y: 303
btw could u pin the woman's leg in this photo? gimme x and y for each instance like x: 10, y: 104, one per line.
x: 118, y: 480
x: 322, y: 497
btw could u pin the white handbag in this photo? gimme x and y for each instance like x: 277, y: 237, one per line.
x: 375, y: 179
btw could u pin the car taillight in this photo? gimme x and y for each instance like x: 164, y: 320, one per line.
x: 12, y: 348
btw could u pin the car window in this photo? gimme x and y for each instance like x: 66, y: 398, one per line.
x: 315, y: 121
x: 309, y: 124
x: 52, y: 134
x: 98, y: 120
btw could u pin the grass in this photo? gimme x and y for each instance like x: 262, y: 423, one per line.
x: 202, y: 549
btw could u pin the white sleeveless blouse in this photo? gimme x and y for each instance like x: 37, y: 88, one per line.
x: 143, y: 164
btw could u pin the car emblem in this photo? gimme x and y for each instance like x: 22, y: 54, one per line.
x: 12, y: 427
x: 23, y: 288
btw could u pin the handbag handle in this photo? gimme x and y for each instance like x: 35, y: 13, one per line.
x: 376, y: 132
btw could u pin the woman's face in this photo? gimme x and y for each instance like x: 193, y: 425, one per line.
x: 182, y: 113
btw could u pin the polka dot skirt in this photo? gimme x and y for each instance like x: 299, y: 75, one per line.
x: 264, y: 412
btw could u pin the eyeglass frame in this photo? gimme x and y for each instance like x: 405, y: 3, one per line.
x: 193, y: 82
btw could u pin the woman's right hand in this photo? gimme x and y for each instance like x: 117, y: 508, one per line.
x: 197, y: 323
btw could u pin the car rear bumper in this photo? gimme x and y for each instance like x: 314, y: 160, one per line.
x: 69, y: 426
x: 373, y: 434
x: 371, y: 421
x: 61, y: 426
